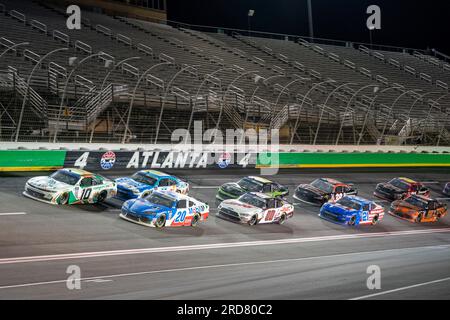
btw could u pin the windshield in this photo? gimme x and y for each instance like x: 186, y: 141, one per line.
x: 417, y: 202
x: 160, y: 199
x: 142, y: 178
x: 250, y: 185
x: 65, y: 177
x: 345, y: 202
x: 322, y: 185
x: 399, y: 184
x: 253, y: 200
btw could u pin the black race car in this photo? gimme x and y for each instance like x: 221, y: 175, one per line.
x: 400, y: 188
x: 234, y: 190
x: 323, y: 190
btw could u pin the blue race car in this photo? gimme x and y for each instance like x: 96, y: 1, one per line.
x: 352, y: 211
x: 165, y: 209
x: 446, y: 190
x: 145, y: 181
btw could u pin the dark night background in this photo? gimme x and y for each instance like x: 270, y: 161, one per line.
x: 405, y: 23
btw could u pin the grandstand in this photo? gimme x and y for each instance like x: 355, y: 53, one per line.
x: 137, y: 81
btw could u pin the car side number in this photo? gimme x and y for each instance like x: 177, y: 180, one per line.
x: 85, y: 194
x: 365, y: 216
x: 180, y: 216
x: 270, y: 214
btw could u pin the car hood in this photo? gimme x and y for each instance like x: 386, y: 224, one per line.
x: 339, y: 209
x: 240, y: 207
x: 312, y: 189
x: 49, y: 184
x: 406, y: 205
x: 233, y: 187
x: 143, y: 207
x: 131, y: 184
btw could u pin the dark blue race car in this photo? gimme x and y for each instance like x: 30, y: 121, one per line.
x: 352, y: 211
x: 146, y: 181
x: 446, y: 190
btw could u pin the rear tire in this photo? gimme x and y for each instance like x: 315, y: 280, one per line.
x: 282, y: 219
x: 160, y: 221
x: 102, y: 197
x: 64, y: 199
x: 375, y: 220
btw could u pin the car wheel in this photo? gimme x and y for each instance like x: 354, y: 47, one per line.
x: 160, y: 221
x: 102, y: 197
x: 64, y: 198
x: 438, y: 217
x: 145, y: 194
x: 352, y: 221
x: 282, y: 219
x: 195, y: 220
x: 375, y: 220
x: 419, y: 218
x: 253, y: 220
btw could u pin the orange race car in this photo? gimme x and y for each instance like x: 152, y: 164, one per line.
x: 418, y: 209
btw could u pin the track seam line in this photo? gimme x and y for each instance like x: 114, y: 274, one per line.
x: 228, y: 245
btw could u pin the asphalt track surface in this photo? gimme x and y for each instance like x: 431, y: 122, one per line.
x: 306, y: 258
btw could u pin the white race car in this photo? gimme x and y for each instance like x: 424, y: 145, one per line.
x: 70, y: 186
x: 256, y: 208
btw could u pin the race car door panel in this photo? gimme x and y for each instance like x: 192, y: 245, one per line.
x: 85, y: 190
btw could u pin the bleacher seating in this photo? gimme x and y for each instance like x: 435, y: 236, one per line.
x: 317, y: 93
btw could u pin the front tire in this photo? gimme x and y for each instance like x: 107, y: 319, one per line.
x: 253, y: 221
x: 352, y: 221
x: 160, y: 221
x: 195, y: 220
x: 64, y: 198
x: 419, y: 218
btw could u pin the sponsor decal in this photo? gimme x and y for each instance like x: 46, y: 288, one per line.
x: 224, y: 160
x: 107, y: 161
x: 119, y: 160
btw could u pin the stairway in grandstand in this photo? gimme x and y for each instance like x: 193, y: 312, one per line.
x: 315, y: 92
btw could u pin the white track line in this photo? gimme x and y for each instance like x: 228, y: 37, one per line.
x: 216, y: 266
x: 205, y: 187
x: 12, y: 213
x: 401, y: 289
x: 97, y: 254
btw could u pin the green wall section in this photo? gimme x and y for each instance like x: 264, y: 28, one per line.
x: 336, y: 160
x: 36, y: 160
x: 29, y: 160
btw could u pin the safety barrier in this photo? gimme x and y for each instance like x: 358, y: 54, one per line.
x: 156, y: 158
x: 353, y: 160
x: 31, y: 160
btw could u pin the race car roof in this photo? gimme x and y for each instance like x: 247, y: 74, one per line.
x: 156, y: 174
x: 259, y: 179
x: 422, y: 197
x: 262, y: 195
x: 175, y: 195
x: 80, y: 172
x: 332, y: 181
x: 407, y: 180
x: 359, y: 200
